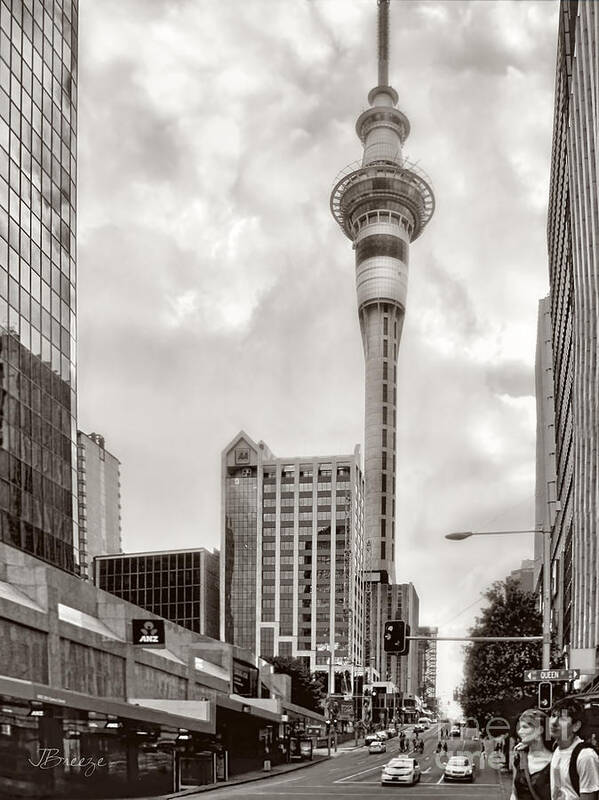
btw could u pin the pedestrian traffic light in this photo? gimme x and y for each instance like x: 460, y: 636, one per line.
x: 395, y: 637
x: 545, y: 692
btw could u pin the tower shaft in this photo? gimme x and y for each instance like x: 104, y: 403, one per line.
x: 382, y: 206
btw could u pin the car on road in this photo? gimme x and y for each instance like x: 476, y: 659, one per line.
x: 391, y: 732
x: 455, y: 730
x: 401, y: 770
x: 371, y: 737
x: 418, y: 728
x: 382, y: 735
x: 377, y: 746
x: 459, y: 768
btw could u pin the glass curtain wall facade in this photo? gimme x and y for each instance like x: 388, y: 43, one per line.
x: 181, y: 586
x: 239, y: 556
x: 38, y: 118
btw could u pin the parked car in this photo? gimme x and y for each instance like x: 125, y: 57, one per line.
x: 378, y: 746
x: 459, y: 768
x: 391, y: 732
x: 382, y: 735
x: 401, y: 770
x: 371, y: 737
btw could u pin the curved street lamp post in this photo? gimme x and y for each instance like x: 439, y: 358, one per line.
x: 458, y: 536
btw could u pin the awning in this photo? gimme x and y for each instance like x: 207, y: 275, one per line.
x: 27, y: 690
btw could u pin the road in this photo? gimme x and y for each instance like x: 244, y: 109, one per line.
x: 356, y: 774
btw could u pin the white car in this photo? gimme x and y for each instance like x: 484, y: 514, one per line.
x: 378, y: 746
x: 401, y: 770
x: 459, y: 768
x: 382, y: 735
x: 455, y: 731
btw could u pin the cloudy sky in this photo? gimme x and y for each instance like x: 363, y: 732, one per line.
x: 217, y: 293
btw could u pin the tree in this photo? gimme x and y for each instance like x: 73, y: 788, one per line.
x: 307, y: 690
x: 494, y: 683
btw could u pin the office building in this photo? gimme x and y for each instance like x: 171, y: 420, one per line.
x: 99, y: 493
x: 427, y: 666
x: 382, y: 206
x: 546, y: 503
x: 38, y: 125
x: 179, y: 585
x: 572, y: 228
x: 78, y: 681
x: 291, y: 556
x: 524, y: 576
x: 387, y: 602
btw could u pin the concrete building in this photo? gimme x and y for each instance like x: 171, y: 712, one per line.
x: 291, y: 556
x: 546, y: 503
x: 99, y: 494
x: 386, y: 602
x: 382, y: 205
x: 179, y: 585
x: 76, y: 676
x: 572, y: 228
x: 38, y: 402
x: 525, y: 575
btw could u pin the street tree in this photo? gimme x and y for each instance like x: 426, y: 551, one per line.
x: 494, y: 683
x: 307, y: 689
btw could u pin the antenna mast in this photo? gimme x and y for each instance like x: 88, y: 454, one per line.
x: 383, y: 42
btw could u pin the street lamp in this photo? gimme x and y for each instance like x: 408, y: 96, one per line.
x: 458, y: 536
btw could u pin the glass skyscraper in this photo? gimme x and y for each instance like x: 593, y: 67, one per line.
x: 38, y: 431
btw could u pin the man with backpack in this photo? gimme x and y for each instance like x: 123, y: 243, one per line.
x: 574, y: 764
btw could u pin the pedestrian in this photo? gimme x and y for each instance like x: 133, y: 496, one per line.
x: 532, y: 758
x: 574, y: 764
x: 444, y: 747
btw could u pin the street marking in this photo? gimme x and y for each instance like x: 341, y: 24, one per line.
x: 355, y: 774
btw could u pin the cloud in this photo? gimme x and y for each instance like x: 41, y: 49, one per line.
x: 217, y: 293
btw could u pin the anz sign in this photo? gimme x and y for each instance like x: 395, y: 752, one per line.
x: 147, y: 632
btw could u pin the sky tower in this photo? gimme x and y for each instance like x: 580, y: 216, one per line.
x: 382, y: 205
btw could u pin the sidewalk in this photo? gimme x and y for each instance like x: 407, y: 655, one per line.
x: 246, y: 777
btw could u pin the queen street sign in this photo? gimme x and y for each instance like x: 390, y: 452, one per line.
x: 533, y: 675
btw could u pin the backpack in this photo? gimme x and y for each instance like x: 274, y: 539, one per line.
x: 573, y: 768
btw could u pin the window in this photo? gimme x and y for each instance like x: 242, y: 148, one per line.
x: 383, y: 550
x: 386, y: 325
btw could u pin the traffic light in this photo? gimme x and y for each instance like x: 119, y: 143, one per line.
x: 395, y: 637
x: 545, y: 692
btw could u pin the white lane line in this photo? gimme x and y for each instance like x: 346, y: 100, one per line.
x: 355, y: 774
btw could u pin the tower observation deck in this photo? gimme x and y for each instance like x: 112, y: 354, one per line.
x: 382, y: 204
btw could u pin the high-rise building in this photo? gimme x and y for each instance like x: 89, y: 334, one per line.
x: 38, y: 429
x: 427, y: 666
x: 382, y: 205
x: 572, y: 232
x: 291, y: 565
x: 180, y: 585
x: 546, y: 504
x: 99, y: 492
x: 384, y: 602
x: 524, y: 576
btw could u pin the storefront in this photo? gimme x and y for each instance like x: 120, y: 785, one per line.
x: 60, y: 744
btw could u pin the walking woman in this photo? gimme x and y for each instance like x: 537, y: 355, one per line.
x: 532, y: 758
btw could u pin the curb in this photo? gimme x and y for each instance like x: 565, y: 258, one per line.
x: 237, y: 781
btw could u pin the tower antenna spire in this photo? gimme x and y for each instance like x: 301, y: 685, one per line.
x: 383, y: 42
